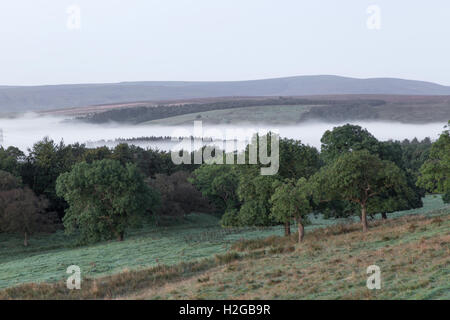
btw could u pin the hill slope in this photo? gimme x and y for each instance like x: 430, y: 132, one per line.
x: 27, y: 98
x: 411, y: 248
x: 412, y: 253
x: 282, y: 110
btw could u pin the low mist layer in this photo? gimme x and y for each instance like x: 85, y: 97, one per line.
x: 23, y: 132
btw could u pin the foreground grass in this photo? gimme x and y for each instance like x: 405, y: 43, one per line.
x: 413, y: 252
x: 197, y: 237
x: 46, y: 260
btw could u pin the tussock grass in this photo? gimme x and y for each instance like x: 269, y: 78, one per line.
x: 413, y: 252
x: 227, y: 257
x: 414, y: 265
x: 253, y: 244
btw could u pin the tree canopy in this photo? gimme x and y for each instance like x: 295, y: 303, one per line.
x: 435, y: 172
x: 178, y: 196
x: 291, y: 200
x: 21, y: 211
x: 347, y: 138
x: 104, y: 198
x: 359, y: 177
x: 218, y: 183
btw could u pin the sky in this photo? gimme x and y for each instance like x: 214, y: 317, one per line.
x: 94, y: 41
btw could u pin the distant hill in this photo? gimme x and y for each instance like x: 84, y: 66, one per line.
x: 28, y: 98
x: 274, y: 110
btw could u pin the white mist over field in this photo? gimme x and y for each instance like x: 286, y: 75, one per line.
x: 23, y: 132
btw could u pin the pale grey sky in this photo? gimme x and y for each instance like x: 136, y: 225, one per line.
x: 138, y: 40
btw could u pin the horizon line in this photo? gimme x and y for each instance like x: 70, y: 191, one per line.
x: 216, y: 81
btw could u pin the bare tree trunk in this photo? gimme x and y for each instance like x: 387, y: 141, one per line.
x: 287, y: 228
x: 383, y: 215
x: 301, y: 230
x: 25, y: 240
x: 121, y: 235
x: 364, y: 217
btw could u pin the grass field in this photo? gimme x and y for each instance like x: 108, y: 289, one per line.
x: 200, y: 260
x: 413, y: 254
x: 264, y: 114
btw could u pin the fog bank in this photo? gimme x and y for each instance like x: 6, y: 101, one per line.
x: 23, y: 132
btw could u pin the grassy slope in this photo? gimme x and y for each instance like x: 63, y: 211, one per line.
x: 413, y: 254
x: 199, y: 239
x: 48, y: 256
x: 272, y: 114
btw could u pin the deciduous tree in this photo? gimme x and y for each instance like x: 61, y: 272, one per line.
x: 291, y: 200
x: 358, y: 177
x: 104, y: 198
x: 435, y: 172
x: 21, y: 211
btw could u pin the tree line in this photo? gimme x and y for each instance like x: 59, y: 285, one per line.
x: 94, y: 192
x: 100, y: 193
x: 354, y: 174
